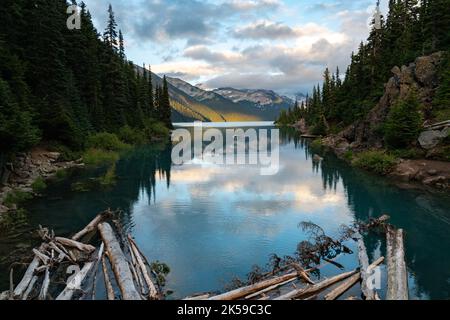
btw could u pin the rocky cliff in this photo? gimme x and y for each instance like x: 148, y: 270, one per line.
x: 421, y: 77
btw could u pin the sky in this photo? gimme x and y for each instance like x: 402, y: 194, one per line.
x: 281, y: 45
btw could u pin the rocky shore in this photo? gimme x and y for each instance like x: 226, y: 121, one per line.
x: 26, y: 168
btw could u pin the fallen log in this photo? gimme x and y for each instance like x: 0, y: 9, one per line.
x: 264, y: 291
x: 368, y: 293
x: 396, y: 265
x: 298, y: 293
x: 352, y: 281
x: 199, y: 297
x: 30, y: 288
x: 75, y: 244
x: 119, y: 263
x: 153, y: 293
x: 45, y: 285
x: 109, y: 288
x: 92, y: 226
x: 245, y: 291
x: 23, y: 284
x: 74, y: 285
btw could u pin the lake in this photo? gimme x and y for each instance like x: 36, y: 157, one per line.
x: 212, y: 223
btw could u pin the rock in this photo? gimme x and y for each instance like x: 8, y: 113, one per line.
x: 432, y: 172
x: 317, y: 158
x: 426, y: 69
x: 53, y: 156
x: 406, y: 171
x: 430, y: 139
x: 3, y: 209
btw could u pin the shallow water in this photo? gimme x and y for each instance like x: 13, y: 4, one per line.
x: 212, y: 223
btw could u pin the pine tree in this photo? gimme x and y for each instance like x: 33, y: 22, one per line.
x: 121, y: 46
x: 165, y: 108
x: 110, y: 34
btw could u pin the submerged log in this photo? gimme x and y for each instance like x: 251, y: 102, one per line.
x: 298, y: 293
x: 352, y: 281
x: 92, y: 226
x: 368, y: 293
x: 396, y: 265
x: 119, y: 263
x: 75, y: 244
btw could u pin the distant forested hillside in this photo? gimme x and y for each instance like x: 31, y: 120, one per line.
x: 63, y: 85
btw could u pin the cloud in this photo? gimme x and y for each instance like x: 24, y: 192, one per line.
x: 266, y: 30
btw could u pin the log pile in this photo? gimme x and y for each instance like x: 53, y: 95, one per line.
x: 297, y: 284
x: 57, y: 256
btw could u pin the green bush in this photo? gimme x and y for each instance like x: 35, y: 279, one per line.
x: 317, y: 145
x: 404, y: 123
x: 132, y: 136
x: 16, y: 197
x: 348, y: 155
x: 320, y: 128
x: 155, y: 129
x: 39, y: 185
x: 375, y: 161
x: 106, y: 141
x: 96, y: 157
x: 409, y: 153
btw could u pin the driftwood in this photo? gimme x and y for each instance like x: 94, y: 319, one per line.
x: 202, y: 296
x: 298, y: 293
x: 45, y: 285
x: 92, y: 226
x: 30, y: 288
x: 264, y: 291
x: 109, y: 288
x: 29, y: 274
x: 75, y: 244
x: 396, y: 266
x: 352, y: 281
x: 153, y: 293
x: 368, y: 293
x: 119, y: 263
x: 75, y: 283
x: 136, y: 270
x: 245, y: 291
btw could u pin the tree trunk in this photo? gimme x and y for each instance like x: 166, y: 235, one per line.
x: 92, y: 226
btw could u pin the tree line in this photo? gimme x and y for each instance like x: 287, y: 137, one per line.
x: 63, y: 85
x: 412, y: 28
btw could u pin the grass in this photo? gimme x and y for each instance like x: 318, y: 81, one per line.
x: 379, y: 162
x: 39, y: 185
x: 16, y: 197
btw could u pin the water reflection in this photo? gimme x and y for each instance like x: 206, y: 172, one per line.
x: 210, y: 223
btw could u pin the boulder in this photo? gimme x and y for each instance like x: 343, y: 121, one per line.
x: 431, y: 138
x: 426, y: 69
x: 317, y: 158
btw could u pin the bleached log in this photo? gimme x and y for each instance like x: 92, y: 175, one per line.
x: 298, y: 293
x: 245, y: 291
x: 92, y: 226
x: 199, y: 297
x: 137, y: 274
x: 30, y: 288
x: 75, y: 283
x: 75, y: 244
x: 45, y: 285
x: 29, y: 273
x: 396, y: 266
x: 109, y: 288
x: 368, y: 293
x: 119, y: 263
x: 352, y: 281
x: 264, y: 291
x: 62, y: 254
x: 153, y: 293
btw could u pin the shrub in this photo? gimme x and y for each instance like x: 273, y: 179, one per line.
x: 155, y: 129
x: 39, y: 185
x: 16, y: 197
x: 132, y: 136
x: 404, y: 123
x: 317, y: 145
x: 320, y: 129
x: 106, y: 141
x: 96, y: 157
x: 348, y: 155
x: 375, y: 161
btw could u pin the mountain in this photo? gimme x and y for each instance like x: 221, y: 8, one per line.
x: 261, y: 99
x: 265, y: 105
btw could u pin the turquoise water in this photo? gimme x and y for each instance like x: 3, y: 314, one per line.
x: 212, y: 223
